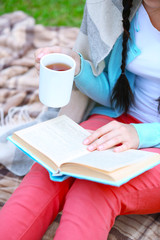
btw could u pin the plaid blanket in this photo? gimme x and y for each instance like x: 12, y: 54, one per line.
x: 19, y: 104
x: 129, y: 227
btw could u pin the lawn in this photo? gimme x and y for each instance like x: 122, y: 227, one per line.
x: 48, y: 12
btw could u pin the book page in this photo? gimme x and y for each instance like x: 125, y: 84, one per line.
x: 60, y: 139
x: 108, y: 160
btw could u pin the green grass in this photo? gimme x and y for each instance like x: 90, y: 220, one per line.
x: 48, y: 12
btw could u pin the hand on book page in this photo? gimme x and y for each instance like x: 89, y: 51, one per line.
x: 57, y: 145
x: 111, y: 135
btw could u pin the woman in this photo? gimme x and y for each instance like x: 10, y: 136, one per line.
x: 126, y: 116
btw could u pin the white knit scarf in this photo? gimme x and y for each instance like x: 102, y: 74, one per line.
x: 100, y: 28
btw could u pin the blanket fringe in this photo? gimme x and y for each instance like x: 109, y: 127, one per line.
x: 15, y: 116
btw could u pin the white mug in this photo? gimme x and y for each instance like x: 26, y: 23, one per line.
x: 55, y: 87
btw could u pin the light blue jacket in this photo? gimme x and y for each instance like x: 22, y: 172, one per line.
x: 99, y: 88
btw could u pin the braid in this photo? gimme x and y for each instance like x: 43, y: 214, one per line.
x: 158, y: 104
x: 122, y: 95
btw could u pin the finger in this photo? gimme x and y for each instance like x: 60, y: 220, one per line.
x: 37, y: 66
x: 40, y: 54
x: 95, y: 135
x: 37, y: 54
x: 97, y: 144
x: 125, y: 146
x: 111, y: 143
x: 43, y: 51
x: 101, y: 131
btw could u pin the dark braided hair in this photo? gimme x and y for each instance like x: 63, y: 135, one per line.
x: 122, y: 95
x: 158, y: 100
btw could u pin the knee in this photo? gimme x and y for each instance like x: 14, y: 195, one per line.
x: 95, y: 194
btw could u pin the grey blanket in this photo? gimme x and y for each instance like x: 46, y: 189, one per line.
x: 10, y: 156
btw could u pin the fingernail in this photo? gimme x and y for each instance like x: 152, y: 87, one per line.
x: 90, y: 148
x: 100, y: 147
x: 86, y: 141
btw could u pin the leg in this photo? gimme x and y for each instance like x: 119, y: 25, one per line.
x: 33, y: 206
x: 89, y: 212
x: 91, y: 208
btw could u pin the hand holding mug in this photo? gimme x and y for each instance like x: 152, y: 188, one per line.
x: 56, y: 49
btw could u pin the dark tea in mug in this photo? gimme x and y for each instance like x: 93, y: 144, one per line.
x: 58, y: 66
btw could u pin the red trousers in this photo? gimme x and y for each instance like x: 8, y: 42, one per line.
x: 89, y: 208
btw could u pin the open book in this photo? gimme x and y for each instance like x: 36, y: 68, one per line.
x: 57, y: 145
